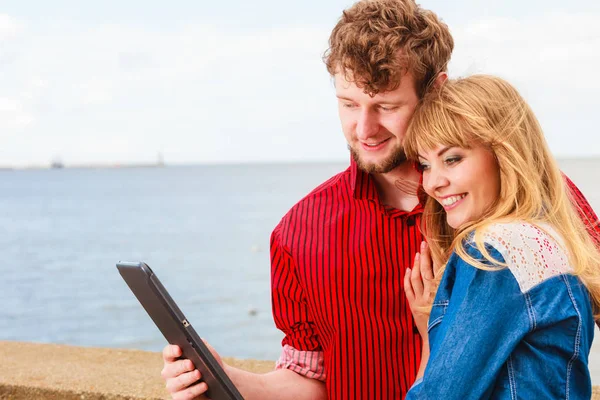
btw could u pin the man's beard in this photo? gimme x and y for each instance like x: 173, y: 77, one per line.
x: 384, y: 166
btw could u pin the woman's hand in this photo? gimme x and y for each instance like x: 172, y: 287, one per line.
x: 420, y: 287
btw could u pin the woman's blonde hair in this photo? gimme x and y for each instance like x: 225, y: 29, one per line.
x: 487, y: 111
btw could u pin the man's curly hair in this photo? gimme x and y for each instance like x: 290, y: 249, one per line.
x: 376, y: 41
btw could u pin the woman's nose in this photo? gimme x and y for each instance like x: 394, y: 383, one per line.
x: 434, y: 179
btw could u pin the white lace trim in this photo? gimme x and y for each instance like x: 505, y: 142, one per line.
x: 532, y: 253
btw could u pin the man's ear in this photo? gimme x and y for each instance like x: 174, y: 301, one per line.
x: 440, y: 79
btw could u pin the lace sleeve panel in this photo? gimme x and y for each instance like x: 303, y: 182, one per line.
x: 533, y: 253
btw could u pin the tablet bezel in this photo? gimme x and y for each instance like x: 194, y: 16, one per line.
x: 169, y: 319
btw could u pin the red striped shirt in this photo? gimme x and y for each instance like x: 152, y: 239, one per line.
x: 585, y: 211
x: 338, y: 261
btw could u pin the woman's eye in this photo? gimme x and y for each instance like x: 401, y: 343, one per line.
x: 452, y: 160
x: 421, y: 166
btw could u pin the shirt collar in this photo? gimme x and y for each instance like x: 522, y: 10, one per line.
x: 362, y: 183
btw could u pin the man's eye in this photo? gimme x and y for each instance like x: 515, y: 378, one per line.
x: 348, y: 105
x: 388, y: 108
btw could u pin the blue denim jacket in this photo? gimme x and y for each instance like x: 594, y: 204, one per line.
x: 519, y: 332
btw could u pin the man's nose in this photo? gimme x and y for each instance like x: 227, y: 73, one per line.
x: 367, y: 125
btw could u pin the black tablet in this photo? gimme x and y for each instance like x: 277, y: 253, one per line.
x: 176, y: 328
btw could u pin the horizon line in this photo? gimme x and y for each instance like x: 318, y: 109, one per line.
x: 117, y: 165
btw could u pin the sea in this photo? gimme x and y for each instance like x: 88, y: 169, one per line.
x: 203, y: 229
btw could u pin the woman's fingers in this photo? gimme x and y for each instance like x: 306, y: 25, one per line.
x: 415, y: 276
x: 426, y: 265
x: 419, y: 281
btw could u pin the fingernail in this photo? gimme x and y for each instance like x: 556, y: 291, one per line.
x: 423, y: 245
x: 417, y: 256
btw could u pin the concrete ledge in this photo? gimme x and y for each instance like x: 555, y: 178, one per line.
x: 59, y: 372
x: 49, y: 371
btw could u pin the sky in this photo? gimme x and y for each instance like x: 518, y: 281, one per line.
x: 116, y: 82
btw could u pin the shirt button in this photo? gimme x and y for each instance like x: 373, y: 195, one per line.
x: 410, y: 221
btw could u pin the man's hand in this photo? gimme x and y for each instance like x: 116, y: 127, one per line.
x: 282, y: 384
x: 181, y: 376
x: 419, y: 287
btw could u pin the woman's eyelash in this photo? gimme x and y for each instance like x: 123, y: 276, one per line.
x: 452, y: 159
x: 420, y: 166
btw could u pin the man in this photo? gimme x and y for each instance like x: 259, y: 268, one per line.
x: 338, y: 257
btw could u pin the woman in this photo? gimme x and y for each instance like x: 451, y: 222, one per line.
x: 513, y: 315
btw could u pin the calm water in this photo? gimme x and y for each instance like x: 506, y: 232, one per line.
x: 203, y: 229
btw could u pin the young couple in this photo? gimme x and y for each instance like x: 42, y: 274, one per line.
x: 499, y: 303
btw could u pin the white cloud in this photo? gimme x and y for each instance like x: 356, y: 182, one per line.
x: 96, y: 91
x: 550, y: 47
x: 551, y: 59
x: 199, y: 92
x: 9, y: 105
x: 13, y: 116
x: 9, y: 27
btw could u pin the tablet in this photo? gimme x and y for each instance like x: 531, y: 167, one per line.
x: 176, y: 328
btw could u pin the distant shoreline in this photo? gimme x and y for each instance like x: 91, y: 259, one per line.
x: 76, y: 166
x: 216, y: 164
